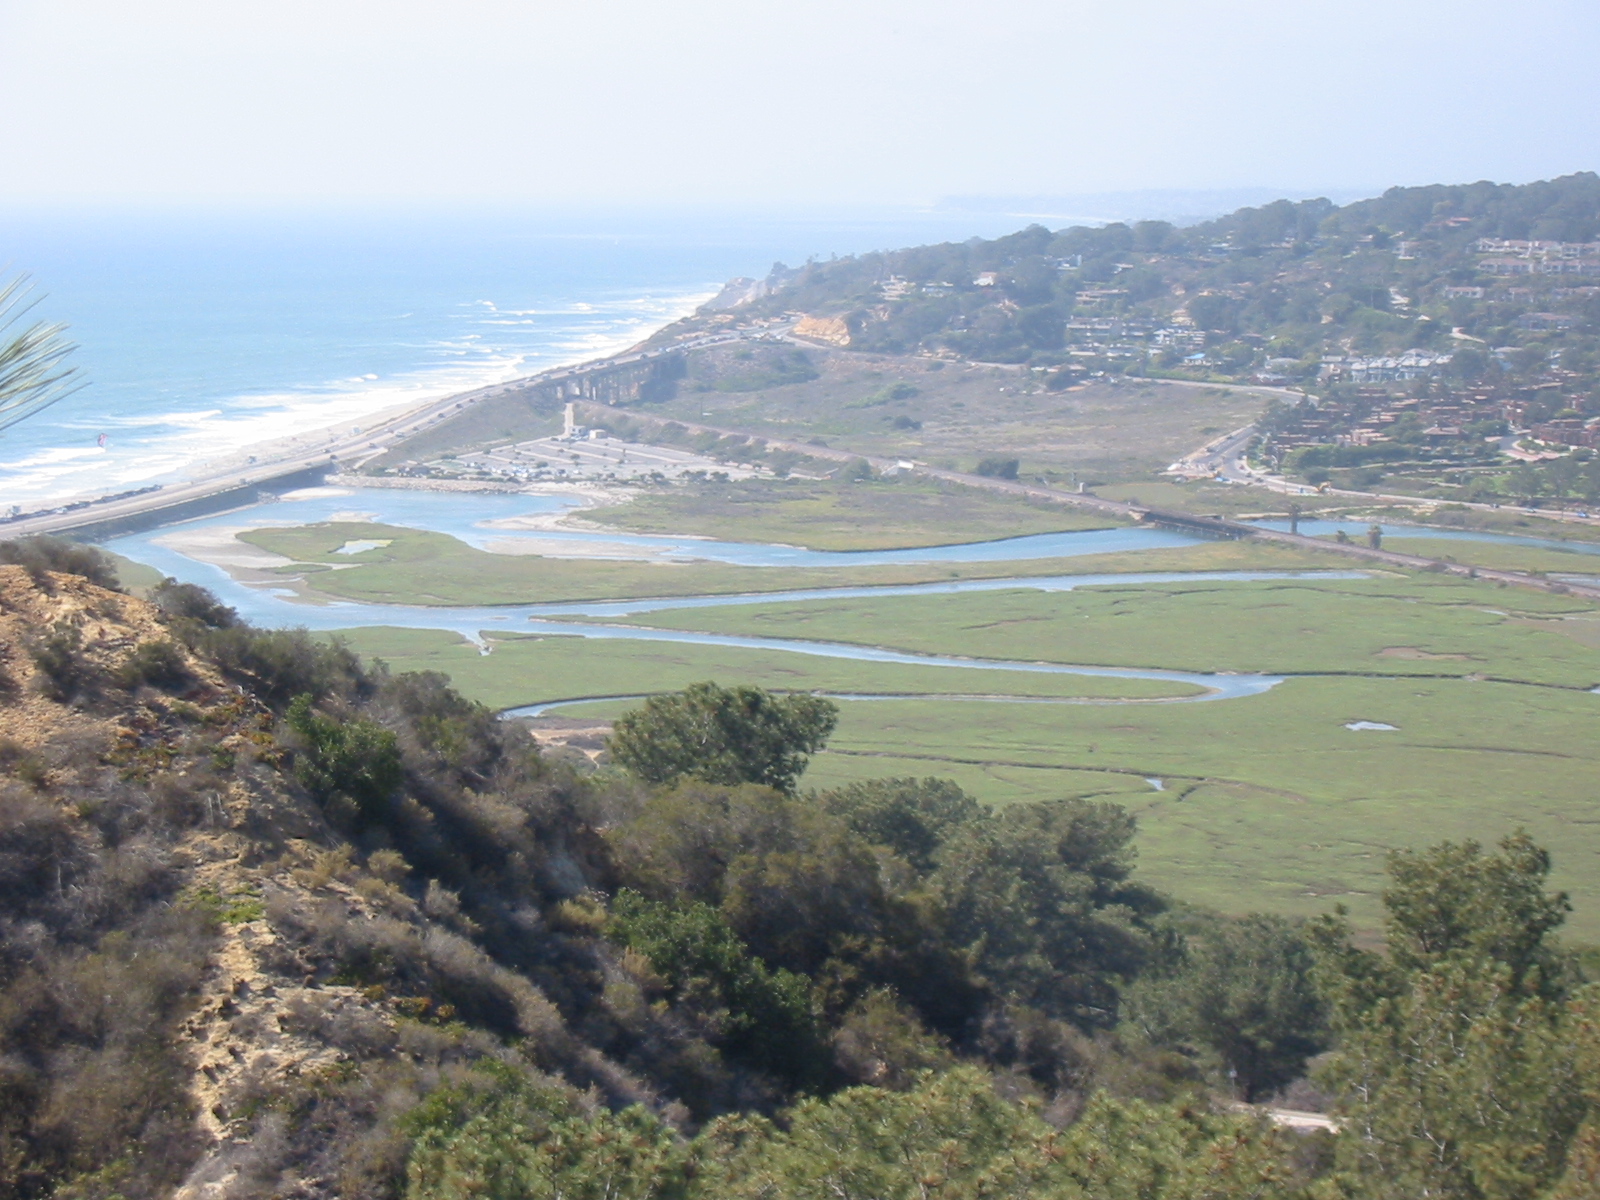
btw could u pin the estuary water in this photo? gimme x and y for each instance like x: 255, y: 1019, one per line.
x: 480, y: 519
x: 475, y: 518
x: 1358, y: 529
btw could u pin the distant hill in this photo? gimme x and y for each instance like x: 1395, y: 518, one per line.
x: 1265, y: 290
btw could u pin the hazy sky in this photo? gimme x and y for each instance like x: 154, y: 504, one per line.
x: 779, y: 101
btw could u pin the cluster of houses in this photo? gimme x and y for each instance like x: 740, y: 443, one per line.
x: 1509, y: 256
x: 1368, y: 416
x: 1413, y: 364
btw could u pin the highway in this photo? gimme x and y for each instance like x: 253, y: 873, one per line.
x: 1223, y: 459
x: 324, y: 449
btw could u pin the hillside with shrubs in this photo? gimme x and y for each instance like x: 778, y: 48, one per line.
x: 275, y: 922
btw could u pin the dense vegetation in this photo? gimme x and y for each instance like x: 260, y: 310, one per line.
x: 479, y: 974
x: 1285, y: 282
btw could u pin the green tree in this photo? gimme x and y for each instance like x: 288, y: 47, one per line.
x: 1458, y: 1069
x: 355, y: 761
x: 1040, y: 896
x: 762, y: 1016
x: 508, y: 1136
x: 724, y: 735
x: 997, y: 466
x: 1455, y: 899
x: 912, y: 817
x: 33, y: 370
x: 802, y: 890
x: 1244, y: 990
x: 953, y: 1138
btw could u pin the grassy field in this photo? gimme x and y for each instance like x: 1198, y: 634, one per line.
x: 1423, y: 626
x: 828, y: 515
x: 419, y: 567
x: 960, y: 412
x: 529, y: 670
x: 1495, y: 555
x: 1269, y: 802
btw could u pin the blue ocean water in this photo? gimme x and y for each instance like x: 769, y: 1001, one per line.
x: 202, y: 332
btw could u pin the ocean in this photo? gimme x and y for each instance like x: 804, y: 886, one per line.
x: 202, y: 331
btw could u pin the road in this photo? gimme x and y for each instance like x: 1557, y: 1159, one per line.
x: 1224, y: 459
x: 325, y: 448
x: 1154, y: 516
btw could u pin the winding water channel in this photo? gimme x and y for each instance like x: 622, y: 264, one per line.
x: 481, y: 519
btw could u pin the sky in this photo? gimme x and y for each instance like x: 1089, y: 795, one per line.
x: 782, y: 102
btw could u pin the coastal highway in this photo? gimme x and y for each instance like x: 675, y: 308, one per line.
x: 319, y: 450
x: 323, y: 449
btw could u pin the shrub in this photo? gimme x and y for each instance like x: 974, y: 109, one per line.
x: 158, y: 663
x: 62, y: 670
x: 997, y: 467
x: 188, y: 601
x: 39, y: 555
x: 857, y: 469
x: 881, y: 1042
x: 506, y: 1135
x: 277, y: 665
x: 357, y: 760
x: 768, y: 1020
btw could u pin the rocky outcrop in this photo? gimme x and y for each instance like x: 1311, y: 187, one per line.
x: 830, y: 331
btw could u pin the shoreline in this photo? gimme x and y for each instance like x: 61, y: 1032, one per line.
x: 304, y: 465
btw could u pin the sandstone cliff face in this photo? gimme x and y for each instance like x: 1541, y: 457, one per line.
x: 831, y: 331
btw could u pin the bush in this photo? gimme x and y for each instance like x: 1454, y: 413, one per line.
x: 158, y: 663
x: 506, y: 1135
x: 856, y: 470
x: 63, y: 672
x: 358, y: 760
x: 997, y: 467
x: 39, y: 555
x: 188, y: 601
x: 765, y: 1016
x: 277, y: 665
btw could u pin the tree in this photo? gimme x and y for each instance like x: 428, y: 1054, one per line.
x: 33, y: 374
x: 1459, y: 1071
x: 1455, y: 899
x: 1243, y: 989
x: 953, y: 1138
x: 723, y: 735
x: 504, y: 1135
x: 761, y: 1016
x: 1040, y: 896
x: 912, y: 817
